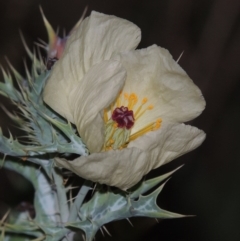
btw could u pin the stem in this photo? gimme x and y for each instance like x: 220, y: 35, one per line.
x: 61, y: 195
x: 79, y: 200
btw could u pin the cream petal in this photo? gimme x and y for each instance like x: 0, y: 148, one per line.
x: 56, y: 93
x: 96, y: 91
x: 121, y: 169
x: 153, y: 73
x: 98, y: 38
x: 125, y: 168
x: 169, y: 142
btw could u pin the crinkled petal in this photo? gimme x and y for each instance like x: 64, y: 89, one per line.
x: 56, y: 93
x: 124, y: 168
x: 169, y: 142
x: 98, y: 90
x: 154, y: 74
x: 98, y: 38
x: 117, y: 168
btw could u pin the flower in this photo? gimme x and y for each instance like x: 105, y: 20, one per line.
x: 89, y: 47
x: 128, y: 105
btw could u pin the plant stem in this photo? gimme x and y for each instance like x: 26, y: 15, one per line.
x: 79, y: 200
x: 61, y: 195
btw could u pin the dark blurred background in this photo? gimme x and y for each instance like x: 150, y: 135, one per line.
x: 208, y: 31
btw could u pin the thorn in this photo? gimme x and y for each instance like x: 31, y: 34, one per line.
x: 83, y: 237
x: 35, y: 63
x: 64, y: 33
x: 57, y: 31
x: 94, y: 188
x: 102, y: 232
x: 107, y: 231
x: 70, y: 188
x: 6, y: 76
x: 10, y: 135
x: 42, y: 42
x: 29, y: 77
x: 16, y: 74
x: 129, y: 222
x: 29, y: 52
x: 80, y: 20
x: 70, y: 200
x: 180, y: 56
x: 14, y: 117
x: 3, y: 160
x: 40, y: 45
x: 52, y: 37
x: 40, y: 59
x: 5, y: 216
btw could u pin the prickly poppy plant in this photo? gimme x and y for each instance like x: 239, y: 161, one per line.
x: 108, y: 113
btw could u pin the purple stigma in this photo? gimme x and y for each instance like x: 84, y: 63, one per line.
x: 123, y: 117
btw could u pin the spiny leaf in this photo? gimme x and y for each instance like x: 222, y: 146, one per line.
x: 11, y: 147
x: 146, y: 206
x: 76, y: 143
x: 106, y: 206
x: 145, y: 186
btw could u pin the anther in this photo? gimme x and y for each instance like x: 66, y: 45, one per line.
x: 150, y: 107
x: 144, y: 100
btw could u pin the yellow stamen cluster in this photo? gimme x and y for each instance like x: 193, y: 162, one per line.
x: 118, y: 138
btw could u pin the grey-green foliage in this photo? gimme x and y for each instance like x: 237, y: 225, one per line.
x: 48, y: 135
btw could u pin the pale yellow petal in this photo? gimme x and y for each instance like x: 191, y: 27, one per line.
x: 56, y: 93
x: 169, y: 142
x: 98, y: 38
x: 96, y: 91
x: 121, y: 169
x: 124, y: 168
x: 152, y: 73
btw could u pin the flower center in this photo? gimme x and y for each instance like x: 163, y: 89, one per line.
x: 123, y: 117
x: 120, y: 117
